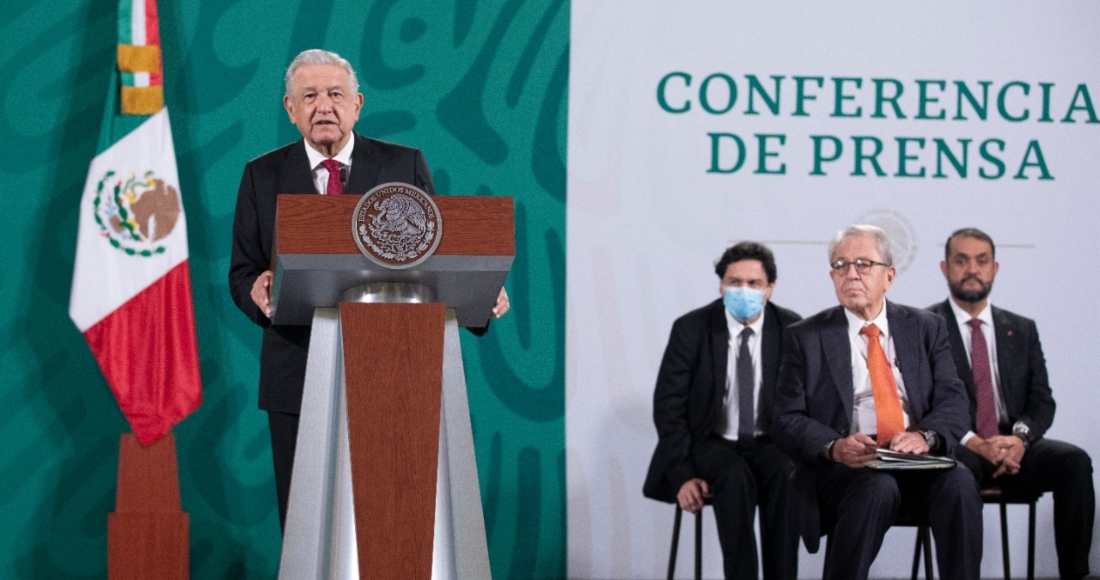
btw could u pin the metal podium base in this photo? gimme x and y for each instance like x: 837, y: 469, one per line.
x: 319, y: 541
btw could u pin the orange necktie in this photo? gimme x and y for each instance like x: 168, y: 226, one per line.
x: 883, y: 388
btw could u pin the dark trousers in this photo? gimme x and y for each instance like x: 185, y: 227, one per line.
x: 1065, y: 470
x: 742, y: 475
x: 284, y: 437
x: 858, y: 506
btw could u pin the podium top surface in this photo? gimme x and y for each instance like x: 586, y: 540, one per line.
x: 473, y: 226
x: 315, y: 257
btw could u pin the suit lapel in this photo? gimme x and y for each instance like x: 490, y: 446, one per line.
x: 1006, y: 350
x: 364, y: 174
x: 838, y: 353
x: 907, y: 351
x: 719, y: 353
x: 958, y: 347
x: 296, y: 176
x: 769, y: 361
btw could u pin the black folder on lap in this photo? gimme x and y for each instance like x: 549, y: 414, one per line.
x: 892, y: 460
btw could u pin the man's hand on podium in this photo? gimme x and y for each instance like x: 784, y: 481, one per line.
x: 261, y: 295
x: 261, y: 292
x: 501, y: 306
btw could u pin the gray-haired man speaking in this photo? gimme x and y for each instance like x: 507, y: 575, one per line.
x: 323, y: 101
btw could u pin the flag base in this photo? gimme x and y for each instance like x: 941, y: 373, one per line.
x: 148, y: 534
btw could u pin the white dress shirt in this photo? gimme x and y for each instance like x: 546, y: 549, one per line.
x: 963, y: 317
x: 733, y: 411
x: 320, y: 174
x: 864, y: 419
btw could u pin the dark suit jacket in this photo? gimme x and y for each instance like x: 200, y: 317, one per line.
x: 287, y: 170
x: 1023, y: 369
x: 692, y: 383
x: 815, y: 391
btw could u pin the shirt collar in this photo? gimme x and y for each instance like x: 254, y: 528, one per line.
x: 986, y: 315
x: 855, y: 323
x: 315, y: 157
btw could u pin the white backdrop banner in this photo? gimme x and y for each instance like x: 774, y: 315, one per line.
x: 693, y: 125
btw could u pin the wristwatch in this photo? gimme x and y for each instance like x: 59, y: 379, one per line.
x: 931, y: 438
x: 1022, y: 431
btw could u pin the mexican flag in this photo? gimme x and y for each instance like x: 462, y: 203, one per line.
x: 131, y: 293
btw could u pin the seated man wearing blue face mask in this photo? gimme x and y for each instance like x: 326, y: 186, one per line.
x: 713, y: 410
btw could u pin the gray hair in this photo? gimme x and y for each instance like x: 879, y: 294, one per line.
x: 318, y: 56
x: 882, y: 242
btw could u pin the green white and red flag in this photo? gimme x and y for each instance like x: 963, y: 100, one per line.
x: 131, y: 293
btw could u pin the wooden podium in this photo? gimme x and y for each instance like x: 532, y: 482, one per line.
x: 385, y: 483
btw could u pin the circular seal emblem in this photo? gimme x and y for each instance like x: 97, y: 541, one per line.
x: 136, y: 213
x: 903, y: 237
x: 396, y: 225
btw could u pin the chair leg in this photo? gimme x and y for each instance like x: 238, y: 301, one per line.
x: 1004, y: 541
x: 916, y: 555
x: 699, y: 545
x: 1031, y: 541
x: 926, y: 539
x: 675, y: 543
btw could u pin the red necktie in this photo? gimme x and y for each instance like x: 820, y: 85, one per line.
x: 335, y: 186
x: 986, y: 419
x: 885, y: 391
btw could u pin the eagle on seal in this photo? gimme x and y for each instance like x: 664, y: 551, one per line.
x: 401, y: 215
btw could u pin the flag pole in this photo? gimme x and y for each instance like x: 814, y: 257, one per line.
x: 131, y: 299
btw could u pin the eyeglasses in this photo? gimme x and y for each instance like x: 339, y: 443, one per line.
x: 862, y: 265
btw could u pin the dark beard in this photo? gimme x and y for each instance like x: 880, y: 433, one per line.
x: 972, y: 296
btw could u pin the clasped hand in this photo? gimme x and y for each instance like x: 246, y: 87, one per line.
x: 1002, y: 451
x: 693, y: 494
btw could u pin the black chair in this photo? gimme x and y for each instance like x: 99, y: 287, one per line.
x: 924, y: 542
x: 1003, y: 497
x: 698, y: 542
x: 992, y: 494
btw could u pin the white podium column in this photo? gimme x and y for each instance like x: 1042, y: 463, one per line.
x: 319, y: 541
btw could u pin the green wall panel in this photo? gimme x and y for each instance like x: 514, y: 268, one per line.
x: 480, y: 86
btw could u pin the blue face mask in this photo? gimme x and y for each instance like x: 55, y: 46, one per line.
x: 743, y: 302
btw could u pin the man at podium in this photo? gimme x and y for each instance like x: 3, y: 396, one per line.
x: 323, y: 101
